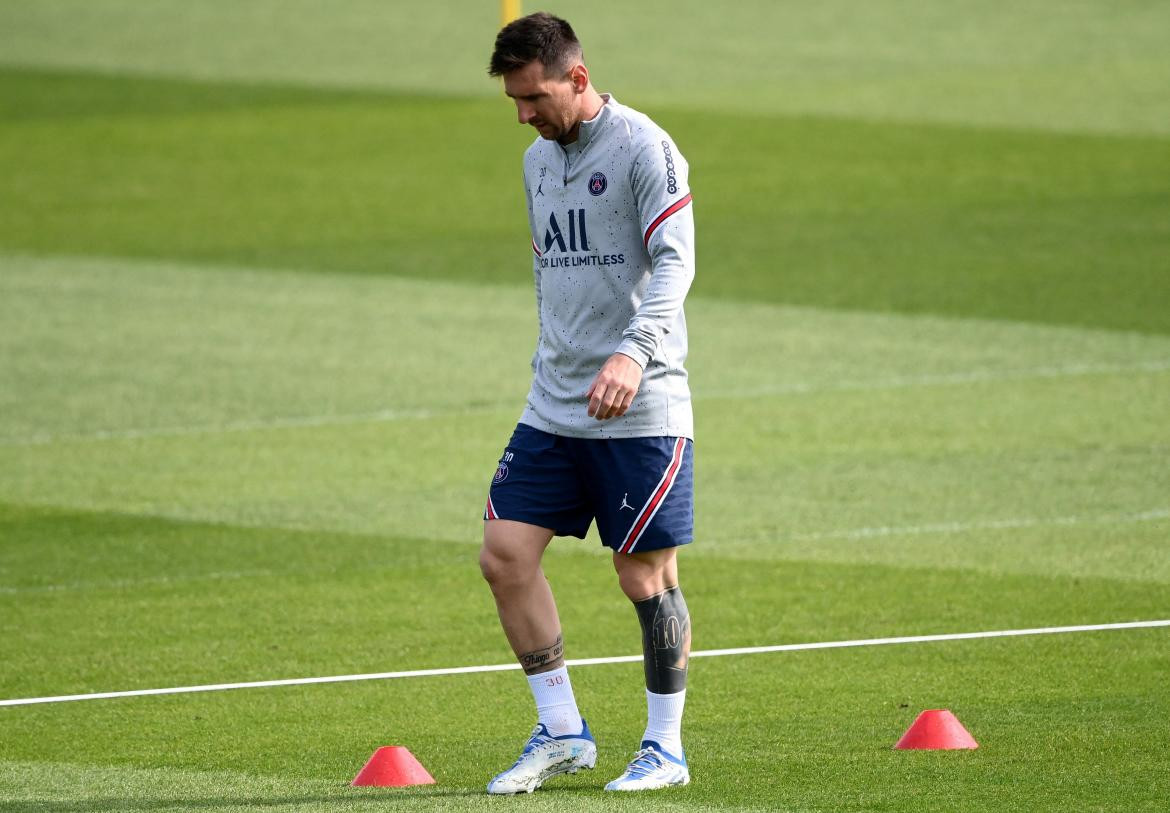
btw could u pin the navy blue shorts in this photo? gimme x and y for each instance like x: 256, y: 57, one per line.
x: 640, y: 490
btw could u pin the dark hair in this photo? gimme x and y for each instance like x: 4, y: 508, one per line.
x: 538, y: 37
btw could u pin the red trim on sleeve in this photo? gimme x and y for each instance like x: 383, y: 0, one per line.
x: 671, y: 209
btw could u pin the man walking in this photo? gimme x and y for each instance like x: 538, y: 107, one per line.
x: 607, y: 432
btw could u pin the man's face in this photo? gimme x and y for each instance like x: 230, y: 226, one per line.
x: 548, y: 103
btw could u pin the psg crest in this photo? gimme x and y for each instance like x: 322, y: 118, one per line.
x: 501, y: 474
x: 597, y: 183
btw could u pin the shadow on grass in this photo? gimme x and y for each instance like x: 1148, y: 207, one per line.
x: 388, y: 795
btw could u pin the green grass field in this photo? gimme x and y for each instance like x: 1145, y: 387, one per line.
x: 266, y: 318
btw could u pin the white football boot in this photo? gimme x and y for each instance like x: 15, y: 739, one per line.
x: 652, y: 768
x: 545, y: 756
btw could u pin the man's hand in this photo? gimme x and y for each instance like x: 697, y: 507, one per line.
x: 614, y: 388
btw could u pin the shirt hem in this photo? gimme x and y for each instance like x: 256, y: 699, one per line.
x: 604, y: 432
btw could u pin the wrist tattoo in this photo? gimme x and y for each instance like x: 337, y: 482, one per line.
x: 541, y: 660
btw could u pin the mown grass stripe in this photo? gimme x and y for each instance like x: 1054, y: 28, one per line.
x: 868, y: 532
x: 505, y: 667
x: 390, y: 415
x: 879, y: 531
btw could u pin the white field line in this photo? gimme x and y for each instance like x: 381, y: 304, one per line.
x: 390, y: 415
x: 506, y: 667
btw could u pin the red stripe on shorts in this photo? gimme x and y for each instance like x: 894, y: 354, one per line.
x: 656, y: 499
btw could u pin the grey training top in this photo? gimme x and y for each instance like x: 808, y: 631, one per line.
x: 614, y: 255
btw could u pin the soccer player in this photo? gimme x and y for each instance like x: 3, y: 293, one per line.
x: 606, y: 435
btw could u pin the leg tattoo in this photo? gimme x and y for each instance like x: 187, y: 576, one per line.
x: 544, y: 660
x: 666, y: 640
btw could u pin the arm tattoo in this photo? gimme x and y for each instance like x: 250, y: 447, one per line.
x: 544, y: 660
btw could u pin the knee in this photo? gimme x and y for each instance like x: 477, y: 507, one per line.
x: 501, y: 571
x: 493, y: 566
x: 511, y: 552
x: 642, y: 575
x: 639, y: 582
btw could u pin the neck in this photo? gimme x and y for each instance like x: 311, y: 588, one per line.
x: 591, y: 104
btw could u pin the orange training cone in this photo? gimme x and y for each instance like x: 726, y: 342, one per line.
x: 393, y: 766
x: 936, y: 729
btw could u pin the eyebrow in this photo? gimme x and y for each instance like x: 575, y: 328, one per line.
x: 525, y: 97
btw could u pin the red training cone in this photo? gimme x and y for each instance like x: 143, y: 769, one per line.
x: 936, y: 729
x: 393, y: 766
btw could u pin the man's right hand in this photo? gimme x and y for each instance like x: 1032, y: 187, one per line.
x: 614, y: 387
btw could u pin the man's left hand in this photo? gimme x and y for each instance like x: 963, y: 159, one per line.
x: 614, y: 388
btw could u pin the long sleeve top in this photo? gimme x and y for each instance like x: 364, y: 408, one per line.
x: 613, y: 258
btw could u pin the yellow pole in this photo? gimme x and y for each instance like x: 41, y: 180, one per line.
x: 509, y: 11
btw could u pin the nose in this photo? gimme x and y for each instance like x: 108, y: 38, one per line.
x: 524, y: 112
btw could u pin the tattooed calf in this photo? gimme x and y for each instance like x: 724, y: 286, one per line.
x: 543, y: 660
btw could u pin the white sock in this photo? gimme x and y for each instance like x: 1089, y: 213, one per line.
x: 555, y: 704
x: 664, y: 720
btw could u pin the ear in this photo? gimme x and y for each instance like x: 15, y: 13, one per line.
x: 579, y: 76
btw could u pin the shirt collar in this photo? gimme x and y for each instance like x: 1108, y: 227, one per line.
x: 593, y: 125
